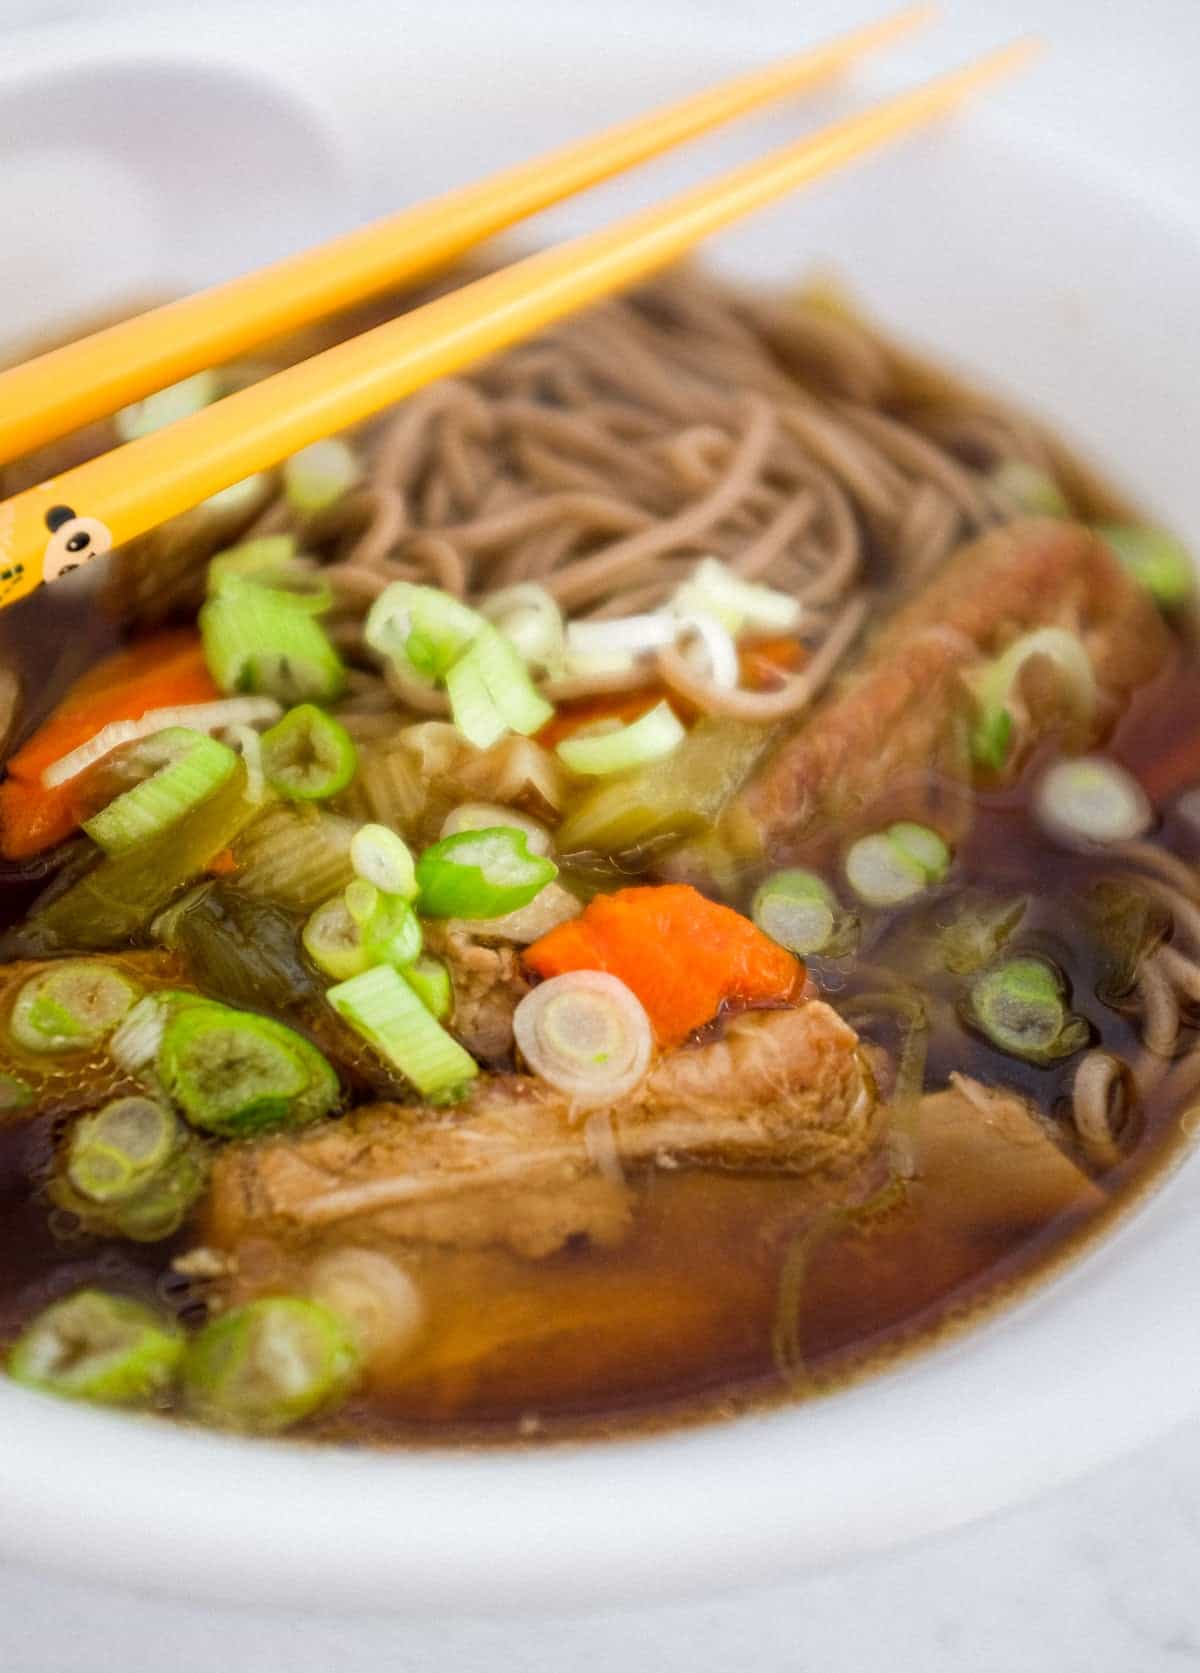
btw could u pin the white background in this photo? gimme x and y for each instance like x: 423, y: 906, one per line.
x: 1103, y: 1576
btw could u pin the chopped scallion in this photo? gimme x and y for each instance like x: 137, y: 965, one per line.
x: 892, y: 866
x: 1021, y: 1007
x: 484, y: 816
x: 319, y: 475
x: 799, y: 910
x: 184, y: 769
x: 308, y: 756
x: 1157, y: 559
x: 713, y: 589
x: 95, y: 1346
x: 995, y: 683
x: 587, y: 1034
x: 381, y: 857
x: 1092, y: 799
x: 531, y: 621
x: 261, y: 639
x: 490, y: 665
x: 130, y: 1170
x: 649, y: 738
x: 334, y: 942
x: 70, y: 1006
x: 481, y: 874
x: 429, y: 979
x: 269, y: 1364
x: 382, y: 1007
x: 167, y: 406
x: 237, y: 1073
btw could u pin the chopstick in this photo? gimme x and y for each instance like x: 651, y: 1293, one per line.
x: 121, y: 494
x: 69, y: 386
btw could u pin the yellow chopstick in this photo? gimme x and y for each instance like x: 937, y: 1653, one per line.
x: 123, y: 493
x: 69, y: 386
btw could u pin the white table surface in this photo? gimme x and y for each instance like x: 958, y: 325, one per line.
x: 1101, y: 1577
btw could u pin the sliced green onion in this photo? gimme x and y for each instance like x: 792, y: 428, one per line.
x: 1030, y: 489
x: 799, y: 910
x: 881, y: 874
x: 374, y: 1295
x: 185, y: 768
x: 390, y: 929
x: 15, y: 1094
x: 481, y: 874
x: 271, y: 561
x: 114, y: 1152
x: 995, y: 683
x: 485, y: 816
x: 382, y: 1007
x: 131, y: 1170
x: 116, y: 899
x: 476, y: 714
x: 237, y: 1073
x: 95, y: 1346
x: 240, y: 499
x: 429, y: 979
x: 135, y: 1041
x: 334, y: 942
x: 612, y: 646
x: 896, y: 865
x: 296, y: 856
x: 319, y: 475
x: 309, y: 756
x: 491, y: 672
x: 269, y: 1364
x: 649, y: 738
x: 586, y: 1034
x: 530, y: 619
x: 1160, y: 562
x: 421, y: 627
x: 167, y: 406
x: 381, y: 857
x: 248, y: 744
x: 924, y: 846
x: 713, y: 589
x: 1092, y: 799
x: 70, y: 1006
x: 991, y: 739
x: 263, y: 640
x: 1021, y: 1007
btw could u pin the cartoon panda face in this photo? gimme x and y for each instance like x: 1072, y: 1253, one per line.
x: 73, y: 541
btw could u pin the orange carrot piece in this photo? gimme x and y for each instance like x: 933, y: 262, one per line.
x: 683, y: 956
x: 764, y: 664
x: 223, y: 864
x: 157, y: 673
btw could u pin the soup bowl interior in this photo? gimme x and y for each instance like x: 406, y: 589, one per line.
x: 1005, y: 257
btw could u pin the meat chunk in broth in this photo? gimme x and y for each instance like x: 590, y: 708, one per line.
x: 894, y: 735
x: 785, y: 1090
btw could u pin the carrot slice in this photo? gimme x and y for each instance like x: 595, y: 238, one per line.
x: 683, y: 956
x: 157, y: 673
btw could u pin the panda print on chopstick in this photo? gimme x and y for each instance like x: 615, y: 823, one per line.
x: 73, y: 541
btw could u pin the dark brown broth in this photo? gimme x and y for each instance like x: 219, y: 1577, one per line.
x: 683, y: 1319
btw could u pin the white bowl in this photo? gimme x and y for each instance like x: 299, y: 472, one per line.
x: 1001, y: 251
